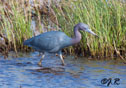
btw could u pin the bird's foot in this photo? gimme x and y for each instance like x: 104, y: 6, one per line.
x: 64, y: 56
x: 63, y: 64
x: 57, y: 54
x: 39, y: 64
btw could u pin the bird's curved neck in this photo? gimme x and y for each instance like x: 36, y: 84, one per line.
x: 77, y: 35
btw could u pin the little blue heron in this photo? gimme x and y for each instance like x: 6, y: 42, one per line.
x: 55, y: 41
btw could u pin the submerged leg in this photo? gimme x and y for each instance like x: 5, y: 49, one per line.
x: 40, y: 62
x: 61, y: 57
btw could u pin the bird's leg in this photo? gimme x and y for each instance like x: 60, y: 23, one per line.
x: 56, y: 54
x: 61, y: 57
x: 40, y: 62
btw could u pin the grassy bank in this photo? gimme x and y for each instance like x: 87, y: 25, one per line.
x: 106, y: 19
x: 15, y: 22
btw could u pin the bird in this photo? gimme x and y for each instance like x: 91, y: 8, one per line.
x: 55, y: 41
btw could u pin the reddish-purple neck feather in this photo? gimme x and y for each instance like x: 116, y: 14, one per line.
x: 77, y: 35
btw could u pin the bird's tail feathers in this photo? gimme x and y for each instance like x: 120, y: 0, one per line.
x: 27, y: 42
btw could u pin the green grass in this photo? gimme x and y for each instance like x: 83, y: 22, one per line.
x: 15, y: 23
x: 106, y: 19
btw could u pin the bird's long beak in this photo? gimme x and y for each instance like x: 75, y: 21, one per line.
x: 91, y: 32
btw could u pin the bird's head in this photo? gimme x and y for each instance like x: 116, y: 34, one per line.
x: 86, y: 28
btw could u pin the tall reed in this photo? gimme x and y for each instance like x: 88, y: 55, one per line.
x: 15, y: 21
x: 105, y: 18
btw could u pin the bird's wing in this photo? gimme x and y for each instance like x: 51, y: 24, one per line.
x: 45, y: 42
x: 49, y: 41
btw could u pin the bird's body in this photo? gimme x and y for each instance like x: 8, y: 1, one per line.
x: 55, y: 41
x: 43, y: 42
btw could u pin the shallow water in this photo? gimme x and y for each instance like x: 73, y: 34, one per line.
x: 23, y: 72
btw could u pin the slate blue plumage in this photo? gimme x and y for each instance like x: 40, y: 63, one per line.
x: 55, y: 41
x: 51, y: 42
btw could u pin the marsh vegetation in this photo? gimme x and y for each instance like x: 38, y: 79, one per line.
x: 106, y: 18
